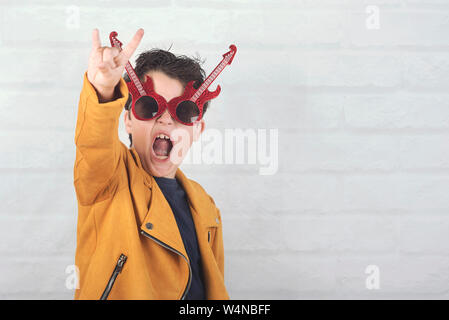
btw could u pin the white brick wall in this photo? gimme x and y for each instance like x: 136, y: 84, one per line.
x: 363, y: 120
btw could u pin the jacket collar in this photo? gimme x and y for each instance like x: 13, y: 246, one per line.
x: 199, y: 200
x: 147, y: 178
x: 160, y: 216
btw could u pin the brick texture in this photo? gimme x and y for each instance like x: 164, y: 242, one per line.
x: 363, y: 122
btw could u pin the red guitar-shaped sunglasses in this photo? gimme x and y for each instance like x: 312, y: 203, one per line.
x: 187, y: 108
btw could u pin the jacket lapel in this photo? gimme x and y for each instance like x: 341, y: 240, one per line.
x: 164, y: 228
x: 160, y: 222
x: 203, y: 213
x: 205, y: 217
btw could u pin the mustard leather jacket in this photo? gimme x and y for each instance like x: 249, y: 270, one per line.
x: 128, y: 242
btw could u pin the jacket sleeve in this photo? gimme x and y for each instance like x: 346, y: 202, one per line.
x: 98, y: 147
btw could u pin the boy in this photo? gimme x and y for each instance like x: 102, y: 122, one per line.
x: 145, y: 231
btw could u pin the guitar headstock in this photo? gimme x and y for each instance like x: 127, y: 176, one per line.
x: 230, y: 54
x: 114, y: 41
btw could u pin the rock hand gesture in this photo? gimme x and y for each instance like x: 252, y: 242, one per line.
x: 106, y: 64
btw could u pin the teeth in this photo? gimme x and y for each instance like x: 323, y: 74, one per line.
x: 163, y: 136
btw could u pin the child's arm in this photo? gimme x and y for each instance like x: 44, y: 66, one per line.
x: 104, y: 94
x: 98, y: 148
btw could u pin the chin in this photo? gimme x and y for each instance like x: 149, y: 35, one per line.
x: 162, y: 168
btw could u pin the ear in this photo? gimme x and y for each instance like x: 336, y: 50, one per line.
x: 128, y: 122
x: 198, y: 129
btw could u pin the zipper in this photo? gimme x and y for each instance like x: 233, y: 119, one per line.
x: 177, y: 252
x: 118, y: 268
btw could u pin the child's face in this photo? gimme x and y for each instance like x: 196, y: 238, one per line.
x: 152, y: 153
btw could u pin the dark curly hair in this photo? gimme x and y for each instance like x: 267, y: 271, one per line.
x: 181, y: 68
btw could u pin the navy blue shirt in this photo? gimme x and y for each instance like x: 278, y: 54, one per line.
x: 177, y: 199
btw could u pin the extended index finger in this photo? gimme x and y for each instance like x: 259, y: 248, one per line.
x: 96, y: 43
x: 132, y: 45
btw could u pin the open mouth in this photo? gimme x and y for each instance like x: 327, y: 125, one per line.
x: 162, y: 146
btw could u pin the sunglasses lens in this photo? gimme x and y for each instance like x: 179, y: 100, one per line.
x: 187, y: 111
x: 146, y: 107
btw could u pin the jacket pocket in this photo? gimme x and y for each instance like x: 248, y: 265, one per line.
x: 211, y: 234
x: 118, y: 268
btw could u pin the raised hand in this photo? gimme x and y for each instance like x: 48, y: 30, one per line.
x: 106, y: 64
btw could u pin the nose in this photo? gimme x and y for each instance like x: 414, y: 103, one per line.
x: 165, y: 118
